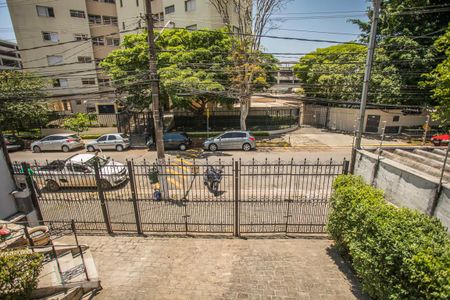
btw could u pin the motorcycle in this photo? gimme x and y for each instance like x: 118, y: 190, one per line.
x: 212, y: 178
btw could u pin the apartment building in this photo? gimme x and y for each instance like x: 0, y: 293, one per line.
x: 9, y: 56
x: 64, y: 41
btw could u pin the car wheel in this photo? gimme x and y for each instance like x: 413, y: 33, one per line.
x: 182, y: 147
x: 65, y: 148
x: 36, y: 149
x: 90, y: 149
x: 105, y: 184
x: 52, y: 186
x: 119, y: 148
x: 437, y: 142
x: 246, y: 147
x: 212, y: 147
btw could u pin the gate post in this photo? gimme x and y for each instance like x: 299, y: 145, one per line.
x: 133, y: 197
x: 101, y: 196
x: 32, y: 188
x: 236, y: 200
x: 345, y: 167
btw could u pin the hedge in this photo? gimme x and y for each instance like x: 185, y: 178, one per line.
x: 19, y: 271
x: 397, y: 253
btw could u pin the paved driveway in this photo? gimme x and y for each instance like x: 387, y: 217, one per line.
x: 198, y: 268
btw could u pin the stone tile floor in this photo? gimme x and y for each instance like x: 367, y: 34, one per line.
x: 210, y: 268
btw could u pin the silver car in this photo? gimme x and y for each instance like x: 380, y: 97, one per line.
x: 112, y: 141
x: 78, y: 171
x: 58, y: 142
x: 231, y: 140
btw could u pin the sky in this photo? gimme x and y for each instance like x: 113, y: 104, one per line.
x: 296, y: 19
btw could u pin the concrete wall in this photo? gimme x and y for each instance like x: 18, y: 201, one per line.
x: 404, y: 186
x: 7, y: 202
x: 344, y: 119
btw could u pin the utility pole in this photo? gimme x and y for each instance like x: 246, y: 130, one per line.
x: 367, y: 74
x: 157, y: 118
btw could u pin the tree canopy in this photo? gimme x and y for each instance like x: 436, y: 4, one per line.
x: 337, y: 72
x: 20, y: 99
x: 439, y: 80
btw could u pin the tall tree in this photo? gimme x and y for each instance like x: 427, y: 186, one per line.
x: 406, y: 32
x: 253, y: 20
x: 439, y: 81
x: 21, y: 95
x: 191, y: 67
x: 337, y: 72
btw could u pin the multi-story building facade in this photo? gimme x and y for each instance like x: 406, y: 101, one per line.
x: 9, y: 56
x: 65, y: 40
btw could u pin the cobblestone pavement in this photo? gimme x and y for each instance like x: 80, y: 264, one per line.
x: 209, y: 268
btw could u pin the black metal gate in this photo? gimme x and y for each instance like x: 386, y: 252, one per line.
x: 253, y: 197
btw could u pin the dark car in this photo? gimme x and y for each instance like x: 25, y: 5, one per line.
x: 13, y: 143
x: 174, y: 141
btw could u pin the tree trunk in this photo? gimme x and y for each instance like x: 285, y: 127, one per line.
x: 245, y: 107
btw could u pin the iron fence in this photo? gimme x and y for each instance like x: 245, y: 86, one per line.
x: 252, y: 197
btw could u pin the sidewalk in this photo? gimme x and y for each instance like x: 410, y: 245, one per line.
x: 198, y: 268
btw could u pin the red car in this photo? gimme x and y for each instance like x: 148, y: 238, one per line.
x: 441, y: 139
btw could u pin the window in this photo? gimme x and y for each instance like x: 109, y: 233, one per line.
x: 60, y: 83
x: 78, y: 168
x: 106, y: 109
x: 103, y: 82
x: 123, y: 26
x: 169, y: 9
x: 81, y: 37
x: 112, y: 42
x: 54, y: 60
x: 95, y: 19
x: 78, y: 102
x: 44, y: 11
x: 161, y: 17
x: 107, y: 1
x: 189, y: 5
x: 396, y: 119
x: 84, y: 59
x: 50, y: 36
x: 102, y: 138
x: 121, y: 3
x: 112, y: 138
x: 137, y: 2
x: 98, y: 41
x: 107, y: 20
x: 239, y: 135
x: 228, y: 135
x: 192, y: 27
x: 77, y: 13
x: 87, y: 81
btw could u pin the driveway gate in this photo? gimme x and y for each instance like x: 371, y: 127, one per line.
x: 253, y: 197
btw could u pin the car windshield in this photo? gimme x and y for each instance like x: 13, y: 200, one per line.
x: 101, y: 161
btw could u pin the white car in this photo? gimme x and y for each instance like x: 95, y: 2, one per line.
x: 78, y: 171
x: 57, y: 142
x: 112, y: 141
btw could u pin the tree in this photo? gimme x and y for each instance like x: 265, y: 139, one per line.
x: 406, y: 32
x: 191, y: 67
x: 438, y: 81
x: 20, y: 100
x: 78, y: 123
x: 337, y: 72
x: 253, y: 19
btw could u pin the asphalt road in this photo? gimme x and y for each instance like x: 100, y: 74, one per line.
x: 309, y: 153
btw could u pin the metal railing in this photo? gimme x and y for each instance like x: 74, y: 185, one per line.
x: 252, y: 197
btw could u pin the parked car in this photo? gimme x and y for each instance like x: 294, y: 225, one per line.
x: 112, y: 141
x: 231, y: 140
x: 13, y: 143
x: 78, y: 171
x: 55, y: 142
x: 174, y: 141
x: 441, y: 139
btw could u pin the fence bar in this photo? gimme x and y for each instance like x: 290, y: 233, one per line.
x: 133, y: 197
x: 345, y: 167
x: 31, y: 187
x: 236, y: 199
x: 101, y: 196
x: 29, y: 239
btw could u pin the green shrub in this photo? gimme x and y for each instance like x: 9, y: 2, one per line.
x: 398, y: 253
x: 19, y: 271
